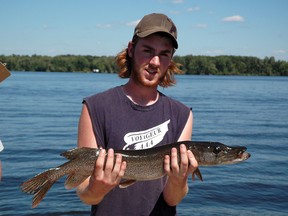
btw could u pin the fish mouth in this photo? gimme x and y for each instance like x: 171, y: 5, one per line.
x: 242, y: 154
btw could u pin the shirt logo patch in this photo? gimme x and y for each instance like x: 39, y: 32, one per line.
x: 147, y: 138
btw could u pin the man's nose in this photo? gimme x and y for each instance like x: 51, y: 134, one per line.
x: 155, y: 60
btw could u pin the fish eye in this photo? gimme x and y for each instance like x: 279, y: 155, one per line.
x: 217, y: 150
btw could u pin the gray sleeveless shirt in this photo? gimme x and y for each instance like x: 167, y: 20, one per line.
x: 118, y: 123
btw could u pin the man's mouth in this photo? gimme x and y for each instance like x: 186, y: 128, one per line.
x: 151, y: 71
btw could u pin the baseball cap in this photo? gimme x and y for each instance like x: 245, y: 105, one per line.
x: 156, y: 22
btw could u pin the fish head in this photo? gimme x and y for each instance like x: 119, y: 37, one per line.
x: 218, y: 153
x: 230, y: 155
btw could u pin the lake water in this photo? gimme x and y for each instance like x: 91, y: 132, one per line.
x: 39, y: 115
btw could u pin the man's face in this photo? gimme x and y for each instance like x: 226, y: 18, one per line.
x: 151, y: 57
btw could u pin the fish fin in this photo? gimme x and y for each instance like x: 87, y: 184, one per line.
x: 198, y: 174
x: 40, y: 194
x: 39, y: 186
x: 74, y: 180
x: 74, y: 153
x: 126, y: 183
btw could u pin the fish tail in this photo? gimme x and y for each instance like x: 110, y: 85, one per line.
x: 40, y: 194
x: 39, y: 186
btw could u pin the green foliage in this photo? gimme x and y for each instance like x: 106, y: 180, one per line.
x: 232, y: 65
x: 201, y: 65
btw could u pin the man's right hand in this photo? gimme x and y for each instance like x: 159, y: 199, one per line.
x: 105, y: 177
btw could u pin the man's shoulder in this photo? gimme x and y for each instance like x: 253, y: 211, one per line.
x: 172, y: 101
x: 104, y: 94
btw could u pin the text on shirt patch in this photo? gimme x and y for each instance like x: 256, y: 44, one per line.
x: 147, y: 138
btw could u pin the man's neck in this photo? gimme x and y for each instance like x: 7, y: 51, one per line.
x: 140, y: 95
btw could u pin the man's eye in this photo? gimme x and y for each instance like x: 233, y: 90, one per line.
x: 147, y: 51
x: 165, y: 55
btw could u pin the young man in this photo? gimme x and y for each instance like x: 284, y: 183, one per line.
x: 137, y: 116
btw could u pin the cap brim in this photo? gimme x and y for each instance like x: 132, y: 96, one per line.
x: 149, y: 32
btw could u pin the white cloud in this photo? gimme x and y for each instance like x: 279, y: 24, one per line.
x: 193, y: 9
x: 177, y: 1
x: 279, y: 51
x: 174, y: 12
x: 200, y: 25
x: 103, y: 26
x: 133, y: 23
x: 235, y: 18
x: 214, y: 52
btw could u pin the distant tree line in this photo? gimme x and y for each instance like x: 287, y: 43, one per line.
x: 61, y: 63
x: 232, y: 65
x: 197, y: 65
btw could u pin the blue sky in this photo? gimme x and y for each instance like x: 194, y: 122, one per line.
x: 90, y: 27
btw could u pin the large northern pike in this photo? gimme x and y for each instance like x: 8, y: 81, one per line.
x: 142, y: 165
